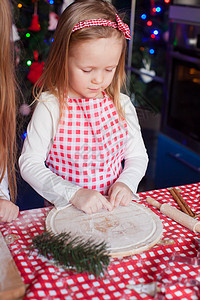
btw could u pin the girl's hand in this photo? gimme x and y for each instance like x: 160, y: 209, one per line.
x: 8, y: 211
x: 120, y: 194
x: 90, y: 201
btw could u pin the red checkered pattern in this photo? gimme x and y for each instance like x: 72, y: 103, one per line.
x: 119, y: 24
x: 45, y: 280
x: 89, y: 145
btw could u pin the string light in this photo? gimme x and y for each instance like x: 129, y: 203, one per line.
x: 28, y: 35
x: 158, y: 9
x: 29, y: 62
x: 143, y: 16
x: 149, y: 23
x: 19, y: 5
x: 151, y: 51
x: 156, y: 32
x: 24, y: 135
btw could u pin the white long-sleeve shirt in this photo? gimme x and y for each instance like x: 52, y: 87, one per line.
x: 4, y: 191
x: 39, y: 140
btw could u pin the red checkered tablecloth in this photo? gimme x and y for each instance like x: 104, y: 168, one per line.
x: 177, y: 278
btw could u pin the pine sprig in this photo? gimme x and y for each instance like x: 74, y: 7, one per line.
x: 73, y: 252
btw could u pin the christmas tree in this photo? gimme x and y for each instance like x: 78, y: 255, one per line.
x: 149, y: 53
x: 149, y: 50
x: 35, y: 22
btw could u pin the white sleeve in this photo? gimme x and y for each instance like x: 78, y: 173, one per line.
x: 136, y: 158
x: 40, y: 135
x: 4, y: 191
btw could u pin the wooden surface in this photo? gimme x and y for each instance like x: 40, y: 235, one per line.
x: 126, y: 230
x: 11, y: 284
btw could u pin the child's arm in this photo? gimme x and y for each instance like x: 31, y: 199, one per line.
x: 40, y: 135
x: 136, y: 159
x: 4, y: 191
x: 8, y: 210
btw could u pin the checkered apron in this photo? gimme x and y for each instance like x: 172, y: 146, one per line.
x: 89, y: 144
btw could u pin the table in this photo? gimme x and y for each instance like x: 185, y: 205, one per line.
x: 173, y: 263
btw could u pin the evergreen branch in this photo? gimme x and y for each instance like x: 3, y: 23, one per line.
x: 84, y: 256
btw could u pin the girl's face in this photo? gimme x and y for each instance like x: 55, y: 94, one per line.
x: 92, y: 65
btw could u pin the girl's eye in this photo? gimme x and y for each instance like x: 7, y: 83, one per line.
x: 86, y: 71
x: 110, y: 70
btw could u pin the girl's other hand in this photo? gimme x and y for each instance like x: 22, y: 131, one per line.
x: 120, y: 194
x: 8, y: 211
x: 90, y: 201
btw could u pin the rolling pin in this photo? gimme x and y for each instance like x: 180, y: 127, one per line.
x: 176, y: 215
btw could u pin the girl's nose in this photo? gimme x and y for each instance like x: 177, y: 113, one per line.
x: 97, y: 77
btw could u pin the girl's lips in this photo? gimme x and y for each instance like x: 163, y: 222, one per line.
x: 94, y: 90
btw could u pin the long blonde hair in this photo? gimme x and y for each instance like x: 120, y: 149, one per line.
x: 55, y: 76
x: 7, y: 100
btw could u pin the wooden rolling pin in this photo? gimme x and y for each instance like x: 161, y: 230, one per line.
x: 176, y: 215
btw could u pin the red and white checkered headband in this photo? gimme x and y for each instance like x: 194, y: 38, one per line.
x: 119, y: 24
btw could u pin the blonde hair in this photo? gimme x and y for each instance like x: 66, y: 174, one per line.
x: 55, y: 76
x: 7, y: 100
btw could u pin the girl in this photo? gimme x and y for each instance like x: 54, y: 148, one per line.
x: 8, y: 210
x: 82, y: 127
